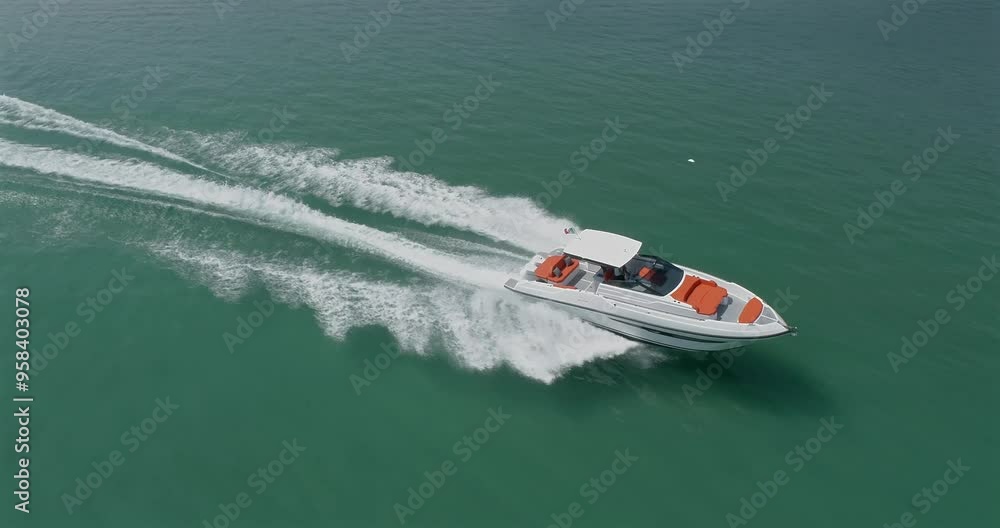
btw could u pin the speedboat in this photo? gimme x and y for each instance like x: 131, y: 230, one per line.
x: 601, y: 278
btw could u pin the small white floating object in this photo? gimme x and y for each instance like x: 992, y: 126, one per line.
x: 690, y: 160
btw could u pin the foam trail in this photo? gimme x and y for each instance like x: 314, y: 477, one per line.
x: 481, y: 255
x: 483, y: 330
x: 19, y: 199
x: 23, y: 114
x: 465, y: 246
x: 266, y: 207
x: 373, y: 185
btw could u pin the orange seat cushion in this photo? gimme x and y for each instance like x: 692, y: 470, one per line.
x: 646, y: 273
x: 751, y: 311
x: 699, y: 292
x: 684, y: 290
x: 546, y: 270
x: 709, y: 303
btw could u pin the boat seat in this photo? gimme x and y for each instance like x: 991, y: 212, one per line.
x: 709, y: 303
x: 751, y: 311
x: 651, y: 275
x: 556, y: 268
x: 684, y: 292
x: 699, y: 291
x: 703, y: 295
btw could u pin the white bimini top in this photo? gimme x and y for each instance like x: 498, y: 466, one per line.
x: 603, y: 247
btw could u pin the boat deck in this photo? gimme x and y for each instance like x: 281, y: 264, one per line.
x: 589, y: 277
x: 653, y: 292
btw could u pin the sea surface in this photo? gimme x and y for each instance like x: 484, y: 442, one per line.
x: 265, y: 245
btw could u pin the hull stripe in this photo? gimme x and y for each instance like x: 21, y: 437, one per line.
x: 637, y: 338
x: 668, y: 334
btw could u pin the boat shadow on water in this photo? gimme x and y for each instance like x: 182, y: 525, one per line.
x: 752, y: 377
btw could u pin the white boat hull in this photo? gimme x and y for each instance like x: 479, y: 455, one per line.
x: 666, y: 337
x: 600, y: 278
x: 661, y: 338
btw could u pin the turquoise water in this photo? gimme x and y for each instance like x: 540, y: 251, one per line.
x: 269, y: 244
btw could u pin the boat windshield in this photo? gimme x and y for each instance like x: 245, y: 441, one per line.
x: 650, y: 274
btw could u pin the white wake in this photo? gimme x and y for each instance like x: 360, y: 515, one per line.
x: 267, y: 208
x: 369, y: 184
x: 29, y: 116
x: 372, y: 184
x: 483, y: 329
x: 459, y: 301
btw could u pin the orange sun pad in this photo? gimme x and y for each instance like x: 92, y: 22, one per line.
x: 751, y: 311
x: 705, y: 296
x: 546, y: 270
x: 684, y: 290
